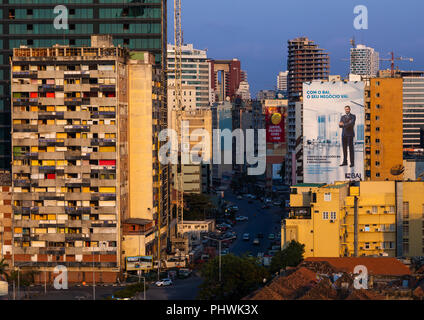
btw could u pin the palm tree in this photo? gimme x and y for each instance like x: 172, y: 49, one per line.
x: 3, y: 267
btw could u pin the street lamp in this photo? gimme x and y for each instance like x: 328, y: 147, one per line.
x: 219, y: 241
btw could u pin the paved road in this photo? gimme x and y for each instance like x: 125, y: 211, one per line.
x: 181, y: 289
x: 263, y: 221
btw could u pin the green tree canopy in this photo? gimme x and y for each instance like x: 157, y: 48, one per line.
x: 240, y: 276
x: 291, y: 256
x: 197, y: 206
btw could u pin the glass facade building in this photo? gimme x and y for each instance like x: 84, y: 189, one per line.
x: 134, y: 24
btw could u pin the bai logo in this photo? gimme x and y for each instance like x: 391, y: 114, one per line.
x: 353, y: 175
x: 61, y: 21
x: 61, y: 280
x: 361, y: 20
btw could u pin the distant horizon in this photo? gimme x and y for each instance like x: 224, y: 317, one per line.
x: 258, y: 36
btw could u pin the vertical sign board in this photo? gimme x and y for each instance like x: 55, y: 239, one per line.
x: 274, y: 119
x: 329, y: 132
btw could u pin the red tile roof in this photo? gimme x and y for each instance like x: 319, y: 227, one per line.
x: 375, y: 265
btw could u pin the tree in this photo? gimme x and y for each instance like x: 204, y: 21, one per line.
x: 197, y: 206
x: 291, y: 256
x: 3, y: 267
x: 240, y: 276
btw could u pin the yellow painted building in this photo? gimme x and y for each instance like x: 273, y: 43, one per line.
x: 389, y: 219
x: 383, y: 128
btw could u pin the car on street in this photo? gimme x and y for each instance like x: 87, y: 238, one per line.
x: 265, y: 206
x: 277, y: 203
x: 164, y: 282
x: 256, y: 241
x: 267, y: 201
x: 246, y: 237
x: 239, y: 197
x: 224, y: 252
x: 271, y: 236
x: 184, y: 273
x: 242, y: 218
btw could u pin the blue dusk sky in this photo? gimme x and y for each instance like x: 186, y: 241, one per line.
x: 256, y: 32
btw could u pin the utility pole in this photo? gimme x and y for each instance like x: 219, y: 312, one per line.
x: 94, y: 279
x: 219, y: 241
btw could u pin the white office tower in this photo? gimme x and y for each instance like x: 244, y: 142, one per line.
x: 195, y: 77
x: 282, y: 80
x: 364, y: 61
x: 244, y: 90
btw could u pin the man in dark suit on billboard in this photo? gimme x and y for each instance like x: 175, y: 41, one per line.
x: 347, y: 122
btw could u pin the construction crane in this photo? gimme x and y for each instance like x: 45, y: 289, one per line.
x: 178, y: 42
x: 392, y: 61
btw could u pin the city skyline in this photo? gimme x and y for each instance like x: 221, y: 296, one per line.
x: 264, y: 54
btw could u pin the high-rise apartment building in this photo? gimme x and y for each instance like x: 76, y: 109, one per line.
x: 137, y: 25
x: 306, y: 62
x: 226, y: 76
x: 383, y: 129
x: 282, y: 80
x: 78, y: 160
x: 197, y: 175
x: 364, y: 61
x: 413, y: 111
x: 196, y: 92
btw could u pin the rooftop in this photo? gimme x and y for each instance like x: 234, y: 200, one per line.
x: 376, y: 265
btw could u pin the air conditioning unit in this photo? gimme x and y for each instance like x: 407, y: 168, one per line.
x: 368, y: 211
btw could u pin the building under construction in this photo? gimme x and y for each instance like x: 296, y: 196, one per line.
x: 306, y: 62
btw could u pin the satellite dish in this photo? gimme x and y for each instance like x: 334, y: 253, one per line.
x: 397, y: 170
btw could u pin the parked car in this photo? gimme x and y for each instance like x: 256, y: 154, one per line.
x: 246, y: 237
x: 271, y: 236
x: 256, y: 241
x: 277, y: 203
x: 265, y: 206
x: 164, y: 282
x: 224, y: 252
x: 242, y: 218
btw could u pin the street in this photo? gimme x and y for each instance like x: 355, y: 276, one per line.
x: 263, y: 221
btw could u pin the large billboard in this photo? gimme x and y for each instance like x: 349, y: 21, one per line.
x: 274, y: 119
x: 333, y: 131
x: 139, y: 263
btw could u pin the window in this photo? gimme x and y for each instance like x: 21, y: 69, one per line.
x: 377, y: 163
x: 405, y: 213
x: 325, y: 215
x: 377, y: 129
x: 367, y: 245
x: 391, y: 209
x: 29, y: 12
x: 374, y: 209
x: 333, y: 215
x: 71, y: 11
x: 377, y: 174
x: 405, y: 246
x: 377, y: 95
x: 377, y: 151
x: 367, y: 228
x: 377, y: 117
x: 327, y: 196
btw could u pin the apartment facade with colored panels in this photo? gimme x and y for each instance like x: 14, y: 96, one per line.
x: 69, y: 142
